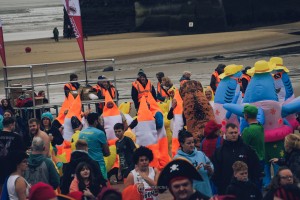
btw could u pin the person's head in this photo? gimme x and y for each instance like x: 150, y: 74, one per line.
x: 34, y: 126
x: 232, y: 133
x: 119, y: 130
x: 102, y: 81
x: 7, y: 113
x: 142, y: 157
x: 291, y: 141
x: 41, y: 93
x: 42, y: 191
x: 81, y: 145
x: 5, y: 102
x: 250, y: 112
x: 92, y: 119
x: 290, y: 192
x: 246, y: 69
x: 186, y: 141
x: 17, y: 161
x: 47, y: 119
x: 108, y: 193
x: 208, y: 95
x: 83, y: 171
x: 159, y: 76
x: 142, y: 77
x: 187, y: 74
x: 240, y: 171
x: 76, y: 123
x: 212, y: 129
x: 73, y: 77
x: 284, y: 176
x: 220, y: 68
x: 9, y: 123
x: 166, y: 82
x: 178, y: 176
x: 37, y: 145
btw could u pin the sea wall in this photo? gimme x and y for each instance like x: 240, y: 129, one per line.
x: 182, y: 16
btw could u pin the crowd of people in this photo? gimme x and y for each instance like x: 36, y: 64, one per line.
x: 173, y: 143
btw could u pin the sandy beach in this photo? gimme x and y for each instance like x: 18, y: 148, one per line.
x: 153, y: 52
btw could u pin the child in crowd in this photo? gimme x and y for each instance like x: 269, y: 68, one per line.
x: 125, y: 149
x: 240, y: 185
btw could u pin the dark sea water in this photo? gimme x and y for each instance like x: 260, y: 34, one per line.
x: 30, y: 19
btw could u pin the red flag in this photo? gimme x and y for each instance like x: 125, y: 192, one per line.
x: 2, y: 49
x: 73, y: 9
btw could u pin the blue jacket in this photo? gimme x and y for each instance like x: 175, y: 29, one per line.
x: 196, y: 158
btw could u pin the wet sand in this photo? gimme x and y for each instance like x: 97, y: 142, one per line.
x: 155, y: 52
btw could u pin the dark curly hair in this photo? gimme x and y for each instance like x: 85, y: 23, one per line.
x: 142, y: 151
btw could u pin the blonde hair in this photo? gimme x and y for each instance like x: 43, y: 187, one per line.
x: 239, y: 166
x: 167, y: 81
x: 292, y: 141
x: 208, y: 88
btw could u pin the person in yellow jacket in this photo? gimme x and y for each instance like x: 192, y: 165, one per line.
x: 77, y: 127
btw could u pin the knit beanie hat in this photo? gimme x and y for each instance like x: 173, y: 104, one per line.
x: 41, y: 191
x: 211, y: 127
x: 47, y: 115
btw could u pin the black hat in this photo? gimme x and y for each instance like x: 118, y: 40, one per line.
x: 176, y: 168
x: 73, y: 76
x: 75, y: 122
x: 102, y: 78
x: 142, y: 73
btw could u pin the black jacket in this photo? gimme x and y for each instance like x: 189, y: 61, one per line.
x: 69, y: 170
x: 135, y: 93
x: 226, y: 155
x: 292, y: 161
x: 243, y: 190
x: 199, y: 196
x: 57, y: 136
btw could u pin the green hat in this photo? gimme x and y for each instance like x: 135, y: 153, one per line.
x: 250, y: 110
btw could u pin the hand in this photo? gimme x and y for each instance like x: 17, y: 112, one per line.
x: 274, y: 160
x: 87, y: 193
x: 174, y: 103
x: 199, y: 166
x: 50, y: 137
x: 208, y: 168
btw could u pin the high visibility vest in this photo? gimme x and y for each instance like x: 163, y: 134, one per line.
x: 142, y: 91
x: 103, y: 90
x: 161, y: 91
x: 216, y: 75
x: 241, y: 83
x: 70, y: 86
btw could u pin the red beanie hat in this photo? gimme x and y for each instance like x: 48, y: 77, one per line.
x: 41, y: 191
x: 211, y: 127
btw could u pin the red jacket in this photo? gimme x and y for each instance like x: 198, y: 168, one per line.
x: 209, y: 145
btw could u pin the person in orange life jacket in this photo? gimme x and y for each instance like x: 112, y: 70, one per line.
x: 186, y: 76
x: 245, y: 79
x: 162, y: 93
x: 215, y: 80
x: 102, y: 86
x: 71, y: 86
x: 141, y: 87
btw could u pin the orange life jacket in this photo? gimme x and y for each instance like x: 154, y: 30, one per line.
x: 103, y: 90
x: 70, y: 86
x: 245, y: 76
x: 216, y: 75
x: 161, y: 91
x: 142, y: 91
